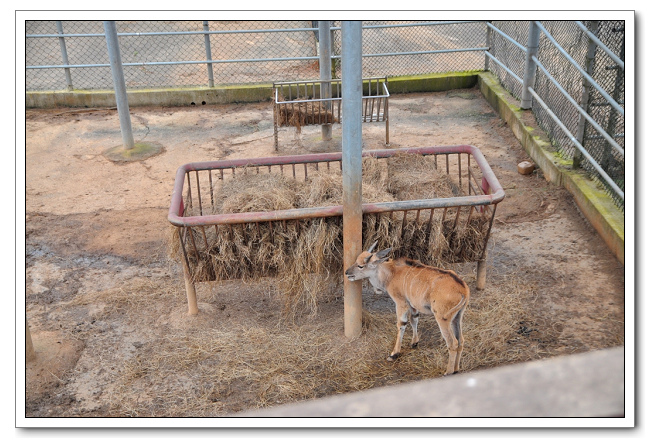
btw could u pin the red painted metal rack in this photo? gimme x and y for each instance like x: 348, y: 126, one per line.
x: 196, y: 183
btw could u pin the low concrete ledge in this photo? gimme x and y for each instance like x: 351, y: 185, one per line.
x: 435, y: 82
x: 584, y: 385
x: 592, y: 200
x: 151, y: 97
x: 245, y: 93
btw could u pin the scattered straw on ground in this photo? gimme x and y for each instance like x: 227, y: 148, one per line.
x: 248, y: 364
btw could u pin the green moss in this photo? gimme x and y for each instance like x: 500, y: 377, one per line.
x: 140, y: 151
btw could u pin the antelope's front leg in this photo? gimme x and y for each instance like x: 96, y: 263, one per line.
x: 402, y: 311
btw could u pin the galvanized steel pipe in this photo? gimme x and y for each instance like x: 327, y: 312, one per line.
x: 325, y: 61
x: 118, y: 81
x: 529, y: 72
x: 352, y: 213
x: 64, y: 54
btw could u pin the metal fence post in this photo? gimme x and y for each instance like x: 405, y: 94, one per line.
x: 64, y: 54
x: 488, y: 44
x: 120, y: 86
x: 208, y: 53
x: 529, y: 71
x: 584, y: 101
x: 352, y: 215
x: 325, y: 57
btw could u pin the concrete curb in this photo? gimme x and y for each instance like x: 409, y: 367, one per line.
x: 227, y: 94
x: 592, y: 200
x: 582, y: 385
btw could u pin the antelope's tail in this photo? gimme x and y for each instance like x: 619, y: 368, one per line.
x: 464, y: 298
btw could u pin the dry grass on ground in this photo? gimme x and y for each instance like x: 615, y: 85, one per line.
x: 216, y: 367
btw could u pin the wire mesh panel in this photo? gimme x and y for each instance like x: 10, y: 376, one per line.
x: 611, y: 77
x: 89, y: 48
x: 508, y: 53
x: 568, y: 66
x: 606, y: 74
x: 569, y: 36
x: 171, y: 53
x: 389, y: 37
x: 176, y: 54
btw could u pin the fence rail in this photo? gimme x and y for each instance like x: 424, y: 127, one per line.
x: 571, y: 73
x: 578, y: 89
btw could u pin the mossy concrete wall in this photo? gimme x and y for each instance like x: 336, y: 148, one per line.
x: 592, y: 200
x: 151, y: 97
x: 227, y: 94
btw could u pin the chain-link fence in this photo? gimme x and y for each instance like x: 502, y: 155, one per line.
x: 561, y: 46
x: 176, y: 54
x: 157, y: 54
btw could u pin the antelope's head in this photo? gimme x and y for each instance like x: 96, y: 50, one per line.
x: 367, y: 263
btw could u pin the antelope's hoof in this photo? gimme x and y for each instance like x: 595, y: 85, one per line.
x: 452, y: 373
x: 393, y: 357
x: 414, y: 345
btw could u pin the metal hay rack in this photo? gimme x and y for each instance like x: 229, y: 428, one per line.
x: 196, y: 185
x: 318, y: 102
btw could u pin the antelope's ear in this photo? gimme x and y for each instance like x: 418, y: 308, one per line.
x: 383, y: 254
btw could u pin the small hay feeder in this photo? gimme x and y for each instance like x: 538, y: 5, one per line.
x: 299, y: 103
x: 445, y: 218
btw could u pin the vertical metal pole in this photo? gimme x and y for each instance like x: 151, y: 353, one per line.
x: 118, y: 81
x: 64, y: 54
x: 333, y: 60
x: 208, y: 53
x: 592, y: 25
x: 352, y: 215
x: 529, y: 71
x: 325, y: 61
x: 488, y: 44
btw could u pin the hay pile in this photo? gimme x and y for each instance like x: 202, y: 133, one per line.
x: 306, y: 256
x: 302, y: 114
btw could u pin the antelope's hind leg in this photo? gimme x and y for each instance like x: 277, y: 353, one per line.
x: 402, y: 312
x: 415, y: 315
x: 457, y: 328
x: 452, y: 343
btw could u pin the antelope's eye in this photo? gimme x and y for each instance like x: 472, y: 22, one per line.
x: 361, y: 266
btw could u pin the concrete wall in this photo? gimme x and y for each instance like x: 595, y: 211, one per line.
x: 227, y: 94
x: 585, y: 385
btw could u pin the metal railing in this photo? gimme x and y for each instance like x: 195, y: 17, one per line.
x: 574, y: 73
x: 156, y: 54
x: 570, y: 73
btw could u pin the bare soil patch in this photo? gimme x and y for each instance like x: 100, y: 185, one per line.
x: 100, y: 282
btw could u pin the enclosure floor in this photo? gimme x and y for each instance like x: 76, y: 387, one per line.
x: 100, y: 283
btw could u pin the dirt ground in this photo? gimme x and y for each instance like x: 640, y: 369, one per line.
x: 96, y: 231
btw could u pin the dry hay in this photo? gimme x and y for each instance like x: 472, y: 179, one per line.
x: 303, y: 114
x: 306, y: 255
x: 249, y: 364
x: 414, y: 176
